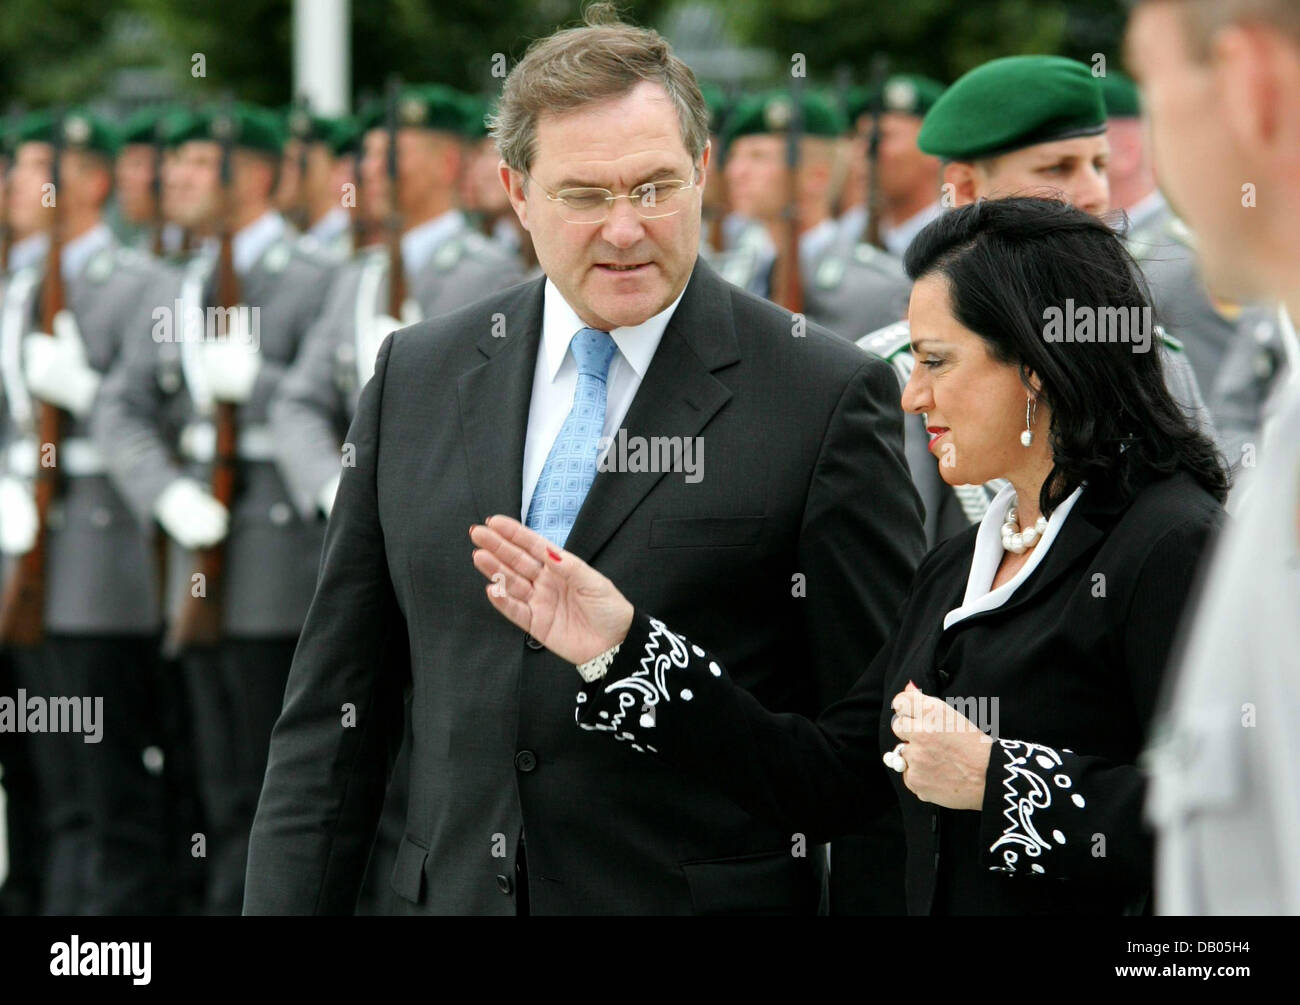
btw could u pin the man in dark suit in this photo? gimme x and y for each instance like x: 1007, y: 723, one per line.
x: 792, y: 538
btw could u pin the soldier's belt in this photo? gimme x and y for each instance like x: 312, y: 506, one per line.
x: 199, y: 443
x: 77, y: 457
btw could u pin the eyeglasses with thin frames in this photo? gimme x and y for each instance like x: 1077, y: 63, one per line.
x: 652, y: 200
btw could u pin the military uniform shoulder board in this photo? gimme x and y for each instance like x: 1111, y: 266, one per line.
x: 277, y: 257
x: 889, y: 341
x: 830, y: 272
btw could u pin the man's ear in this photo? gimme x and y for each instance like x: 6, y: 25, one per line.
x: 513, y: 182
x: 704, y: 163
x: 1256, y: 71
x: 964, y: 179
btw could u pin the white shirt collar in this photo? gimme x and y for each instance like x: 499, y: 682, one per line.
x: 560, y: 322
x: 76, y: 253
x: 330, y: 226
x: 29, y: 251
x: 79, y: 251
x: 251, y: 241
x: 898, y: 238
x: 420, y: 242
x: 989, y: 552
x: 1145, y: 208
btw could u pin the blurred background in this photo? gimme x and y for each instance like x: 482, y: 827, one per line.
x: 120, y: 54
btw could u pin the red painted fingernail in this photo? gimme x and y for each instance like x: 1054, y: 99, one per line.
x: 552, y: 554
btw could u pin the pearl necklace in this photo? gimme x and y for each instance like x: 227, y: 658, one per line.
x: 1019, y: 541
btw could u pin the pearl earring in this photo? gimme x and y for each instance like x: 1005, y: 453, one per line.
x: 1027, y: 437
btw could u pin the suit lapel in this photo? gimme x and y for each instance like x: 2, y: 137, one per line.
x: 494, y: 399
x: 677, y: 397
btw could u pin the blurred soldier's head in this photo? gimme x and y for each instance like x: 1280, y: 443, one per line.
x: 757, y: 168
x: 1023, y: 125
x: 909, y: 177
x: 138, y: 159
x: 1221, y: 82
x: 1129, y: 171
x: 192, y: 178
x: 606, y: 106
x: 311, y: 175
x: 85, y: 172
x: 430, y: 122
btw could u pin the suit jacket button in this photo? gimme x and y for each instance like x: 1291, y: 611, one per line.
x: 532, y: 643
x: 525, y: 760
x: 504, y: 884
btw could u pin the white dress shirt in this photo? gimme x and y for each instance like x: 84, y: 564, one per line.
x: 989, y: 553
x: 250, y: 242
x: 556, y: 377
x: 420, y: 242
x: 898, y: 239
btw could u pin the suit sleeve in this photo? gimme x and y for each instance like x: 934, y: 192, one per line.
x: 1073, y: 815
x: 862, y: 533
x: 329, y: 757
x: 668, y: 697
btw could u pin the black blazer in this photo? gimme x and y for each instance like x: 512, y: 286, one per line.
x: 793, y: 553
x: 1073, y: 660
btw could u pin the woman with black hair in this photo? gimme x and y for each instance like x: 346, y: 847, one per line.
x: 1013, y: 698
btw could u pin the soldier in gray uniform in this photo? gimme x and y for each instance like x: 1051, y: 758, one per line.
x: 156, y: 432
x: 997, y: 128
x: 848, y: 290
x: 1258, y: 362
x: 447, y: 264
x: 320, y: 164
x: 104, y: 801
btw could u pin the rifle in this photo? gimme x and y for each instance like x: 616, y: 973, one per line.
x: 396, y: 270
x: 22, y: 606
x: 875, y: 203
x: 6, y: 232
x: 199, y: 621
x: 156, y: 189
x: 302, y: 132
x: 787, y: 283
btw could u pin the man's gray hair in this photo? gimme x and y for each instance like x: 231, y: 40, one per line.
x: 605, y: 58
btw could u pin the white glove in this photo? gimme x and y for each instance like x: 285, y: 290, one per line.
x: 56, y: 369
x: 381, y: 326
x: 325, y: 498
x: 189, y: 513
x: 17, y: 516
x: 231, y: 363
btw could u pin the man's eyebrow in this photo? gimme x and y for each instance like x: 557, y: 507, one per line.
x: 661, y: 174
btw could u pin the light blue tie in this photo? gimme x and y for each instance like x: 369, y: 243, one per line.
x: 570, y: 467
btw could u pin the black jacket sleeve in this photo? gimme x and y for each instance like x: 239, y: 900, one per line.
x: 668, y: 697
x: 330, y: 751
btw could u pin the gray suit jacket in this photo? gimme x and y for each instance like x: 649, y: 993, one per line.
x: 271, y: 555
x: 794, y: 552
x: 318, y: 396
x: 101, y: 576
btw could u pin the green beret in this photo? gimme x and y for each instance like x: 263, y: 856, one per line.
x: 1121, y: 96
x: 476, y: 112
x: 771, y: 113
x: 301, y: 124
x: 250, y: 127
x: 1011, y: 103
x: 903, y: 93
x: 423, y: 106
x: 718, y: 104
x: 344, y: 137
x: 148, y: 124
x: 76, y: 129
